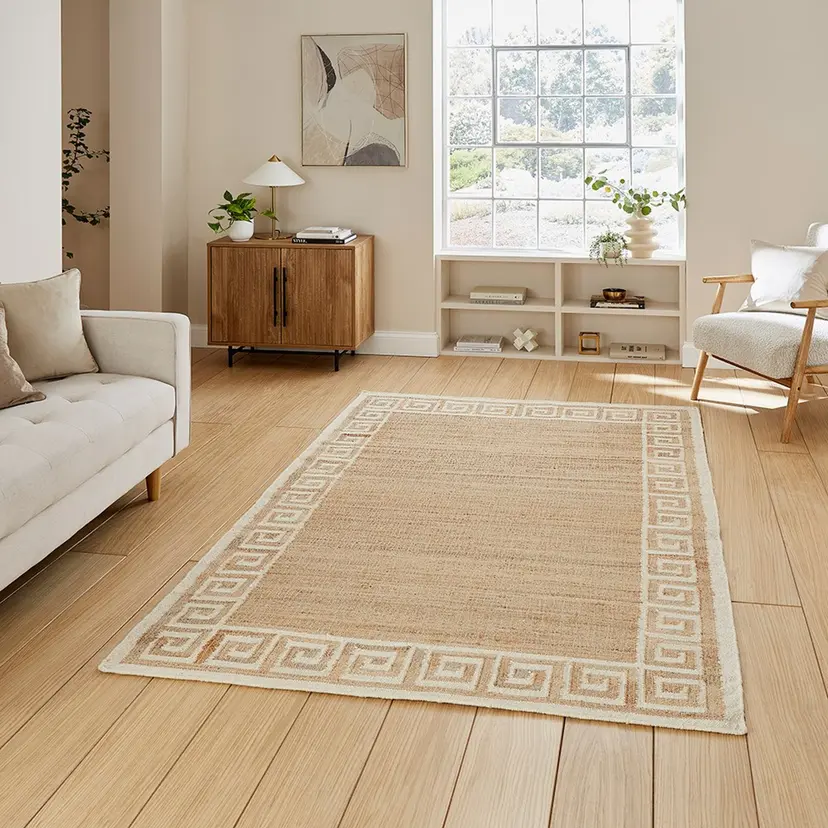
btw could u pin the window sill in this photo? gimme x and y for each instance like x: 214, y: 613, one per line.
x: 471, y: 255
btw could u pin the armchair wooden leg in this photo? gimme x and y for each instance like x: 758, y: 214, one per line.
x: 800, y: 369
x: 790, y: 411
x: 697, y: 380
x: 154, y: 485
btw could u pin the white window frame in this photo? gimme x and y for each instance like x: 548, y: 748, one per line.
x: 444, y: 147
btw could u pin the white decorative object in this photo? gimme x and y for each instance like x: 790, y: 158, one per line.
x: 525, y: 340
x: 641, y: 237
x: 786, y: 274
x: 241, y: 231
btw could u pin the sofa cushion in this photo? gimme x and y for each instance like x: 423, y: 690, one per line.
x: 45, y: 329
x: 764, y: 342
x: 14, y: 389
x: 86, y: 422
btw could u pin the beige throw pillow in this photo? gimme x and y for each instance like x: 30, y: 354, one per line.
x: 45, y: 330
x: 14, y: 390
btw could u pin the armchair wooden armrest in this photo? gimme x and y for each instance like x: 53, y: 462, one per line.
x: 723, y: 282
x: 810, y: 303
x: 727, y: 280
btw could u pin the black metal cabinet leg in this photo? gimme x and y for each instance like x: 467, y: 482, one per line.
x: 230, y: 357
x: 353, y: 353
x: 336, y: 360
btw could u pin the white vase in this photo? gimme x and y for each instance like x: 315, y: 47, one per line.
x: 241, y: 231
x: 641, y: 237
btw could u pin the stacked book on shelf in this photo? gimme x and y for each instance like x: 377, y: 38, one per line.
x: 497, y: 295
x: 324, y: 235
x: 628, y: 302
x: 472, y: 344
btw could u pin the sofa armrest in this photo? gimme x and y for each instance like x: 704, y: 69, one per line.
x: 140, y: 344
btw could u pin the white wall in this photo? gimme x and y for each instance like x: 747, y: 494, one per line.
x: 245, y: 106
x: 30, y: 139
x: 757, y: 154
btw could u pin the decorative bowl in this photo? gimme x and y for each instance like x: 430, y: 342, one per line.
x: 614, y: 293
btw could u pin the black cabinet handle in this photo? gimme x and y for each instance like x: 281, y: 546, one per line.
x: 284, y: 297
x: 275, y: 297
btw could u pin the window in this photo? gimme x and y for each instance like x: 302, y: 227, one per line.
x: 540, y: 93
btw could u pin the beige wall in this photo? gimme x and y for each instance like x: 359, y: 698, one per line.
x: 86, y: 84
x: 30, y: 140
x: 148, y: 136
x: 757, y: 156
x: 245, y: 105
x: 755, y: 72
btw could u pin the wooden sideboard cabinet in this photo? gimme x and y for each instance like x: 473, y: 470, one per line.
x: 275, y: 295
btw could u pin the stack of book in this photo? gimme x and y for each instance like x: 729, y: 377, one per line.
x: 496, y: 295
x: 479, y: 344
x: 628, y: 302
x: 324, y: 235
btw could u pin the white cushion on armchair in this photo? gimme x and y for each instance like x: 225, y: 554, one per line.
x: 763, y: 342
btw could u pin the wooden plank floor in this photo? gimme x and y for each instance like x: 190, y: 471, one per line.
x: 81, y: 748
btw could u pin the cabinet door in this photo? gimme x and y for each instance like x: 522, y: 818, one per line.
x: 245, y: 292
x: 318, y: 298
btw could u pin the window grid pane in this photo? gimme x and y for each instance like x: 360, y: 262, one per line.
x: 542, y: 92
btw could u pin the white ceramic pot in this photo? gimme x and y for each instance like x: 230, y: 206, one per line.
x: 241, y: 231
x: 641, y: 237
x: 611, y: 250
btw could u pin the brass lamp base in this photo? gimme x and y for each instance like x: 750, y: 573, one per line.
x: 274, y: 236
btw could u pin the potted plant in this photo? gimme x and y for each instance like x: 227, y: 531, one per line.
x: 608, y: 246
x: 638, y: 204
x: 235, y: 216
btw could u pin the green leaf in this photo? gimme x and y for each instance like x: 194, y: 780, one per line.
x: 228, y: 196
x: 645, y: 211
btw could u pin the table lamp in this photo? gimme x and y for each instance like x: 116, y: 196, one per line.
x: 274, y: 173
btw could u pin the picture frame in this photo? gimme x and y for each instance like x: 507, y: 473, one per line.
x: 354, y: 90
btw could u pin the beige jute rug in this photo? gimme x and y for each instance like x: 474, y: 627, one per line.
x: 561, y: 558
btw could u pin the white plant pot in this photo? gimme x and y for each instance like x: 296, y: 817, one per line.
x: 241, y: 231
x: 611, y: 250
x: 641, y: 237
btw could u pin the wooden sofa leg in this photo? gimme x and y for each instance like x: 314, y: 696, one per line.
x: 154, y: 485
x: 697, y: 380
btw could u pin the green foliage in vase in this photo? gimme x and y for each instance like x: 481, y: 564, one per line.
x: 635, y: 201
x: 235, y: 208
x: 607, y: 246
x: 73, y: 158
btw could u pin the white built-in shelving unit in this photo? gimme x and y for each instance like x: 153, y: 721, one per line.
x: 559, y: 288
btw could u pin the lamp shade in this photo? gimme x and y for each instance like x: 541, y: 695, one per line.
x: 274, y: 173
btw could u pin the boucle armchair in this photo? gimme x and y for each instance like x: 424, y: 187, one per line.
x: 786, y: 348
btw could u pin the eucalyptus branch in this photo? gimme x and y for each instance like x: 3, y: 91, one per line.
x: 636, y: 200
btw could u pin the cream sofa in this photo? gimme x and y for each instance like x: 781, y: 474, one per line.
x: 64, y: 459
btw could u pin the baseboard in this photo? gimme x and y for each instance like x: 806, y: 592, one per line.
x: 198, y: 336
x: 393, y: 343
x: 403, y: 343
x: 690, y: 358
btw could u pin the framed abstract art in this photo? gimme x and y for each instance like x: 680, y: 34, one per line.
x: 354, y: 108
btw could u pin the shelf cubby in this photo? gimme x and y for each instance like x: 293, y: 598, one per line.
x: 559, y: 287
